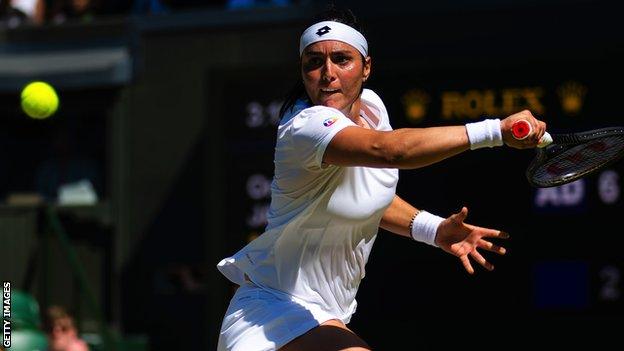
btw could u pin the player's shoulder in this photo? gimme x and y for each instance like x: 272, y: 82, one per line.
x: 319, y: 110
x: 302, y: 111
x: 372, y: 97
x: 374, y: 106
x: 316, y: 113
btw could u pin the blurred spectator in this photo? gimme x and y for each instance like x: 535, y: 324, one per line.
x: 14, y: 13
x: 196, y: 4
x: 62, y: 331
x: 26, y: 323
x: 168, y: 6
x: 73, y: 10
x: 154, y: 7
x: 68, y: 162
x: 34, y: 10
x: 241, y: 4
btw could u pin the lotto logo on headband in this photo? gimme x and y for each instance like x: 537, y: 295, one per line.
x: 322, y: 31
x: 328, y: 122
x: 330, y: 30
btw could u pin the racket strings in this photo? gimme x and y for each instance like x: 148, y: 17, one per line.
x: 578, y: 138
x: 561, y: 164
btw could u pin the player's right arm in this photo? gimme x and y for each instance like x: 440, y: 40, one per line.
x: 409, y: 148
x: 401, y: 148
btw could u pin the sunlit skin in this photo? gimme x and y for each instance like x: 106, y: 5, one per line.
x: 338, y: 67
x: 333, y: 73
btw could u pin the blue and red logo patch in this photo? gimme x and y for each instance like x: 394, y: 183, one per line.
x: 328, y: 122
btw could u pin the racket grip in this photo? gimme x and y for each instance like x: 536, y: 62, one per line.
x: 522, y: 129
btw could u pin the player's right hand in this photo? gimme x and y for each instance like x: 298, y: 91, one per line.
x: 538, y: 130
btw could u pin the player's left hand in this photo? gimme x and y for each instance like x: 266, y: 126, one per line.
x: 462, y: 240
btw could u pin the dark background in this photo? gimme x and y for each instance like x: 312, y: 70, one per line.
x: 183, y: 144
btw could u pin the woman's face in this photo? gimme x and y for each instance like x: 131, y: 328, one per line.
x: 63, y: 327
x: 333, y: 73
x: 81, y: 5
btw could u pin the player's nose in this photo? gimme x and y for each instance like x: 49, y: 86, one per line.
x: 327, y: 71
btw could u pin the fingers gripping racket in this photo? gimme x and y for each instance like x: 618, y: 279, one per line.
x: 564, y: 158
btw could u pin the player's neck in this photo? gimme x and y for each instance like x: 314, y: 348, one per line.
x: 353, y: 111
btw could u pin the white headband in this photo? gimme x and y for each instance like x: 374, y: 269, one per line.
x: 330, y: 30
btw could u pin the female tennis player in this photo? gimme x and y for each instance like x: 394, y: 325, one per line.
x: 336, y: 170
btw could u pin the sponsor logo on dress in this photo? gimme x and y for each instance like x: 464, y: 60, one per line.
x: 331, y: 120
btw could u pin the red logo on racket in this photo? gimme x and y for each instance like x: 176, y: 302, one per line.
x: 576, y: 158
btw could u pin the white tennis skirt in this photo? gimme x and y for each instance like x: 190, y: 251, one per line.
x: 259, y: 320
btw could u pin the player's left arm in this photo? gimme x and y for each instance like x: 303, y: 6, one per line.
x: 452, y: 235
x: 398, y: 217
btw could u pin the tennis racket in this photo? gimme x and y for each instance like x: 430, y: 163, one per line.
x: 564, y: 158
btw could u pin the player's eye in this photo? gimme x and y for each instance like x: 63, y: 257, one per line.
x: 312, y: 62
x: 341, y: 59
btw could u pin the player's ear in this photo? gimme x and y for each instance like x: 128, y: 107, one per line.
x: 366, y: 69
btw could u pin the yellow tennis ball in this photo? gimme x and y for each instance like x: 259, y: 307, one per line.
x: 39, y: 100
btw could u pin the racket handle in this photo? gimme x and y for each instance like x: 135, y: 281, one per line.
x: 522, y: 129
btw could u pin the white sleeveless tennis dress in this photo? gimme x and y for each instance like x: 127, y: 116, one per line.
x: 323, y: 220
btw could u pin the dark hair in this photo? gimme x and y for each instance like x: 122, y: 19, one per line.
x: 332, y: 13
x: 55, y: 313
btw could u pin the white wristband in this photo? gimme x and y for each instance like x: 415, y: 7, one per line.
x: 486, y: 133
x: 424, y: 227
